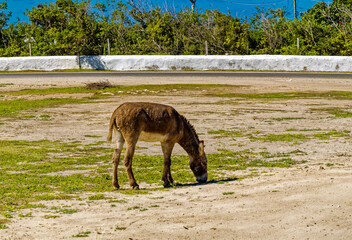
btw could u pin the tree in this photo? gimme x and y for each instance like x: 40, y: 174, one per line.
x: 267, y: 30
x: 64, y: 27
x: 75, y: 27
x: 4, y: 17
x: 193, y: 5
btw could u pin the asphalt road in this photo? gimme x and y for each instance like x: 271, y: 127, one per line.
x: 101, y: 74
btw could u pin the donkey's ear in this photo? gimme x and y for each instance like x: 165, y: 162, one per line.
x: 201, y: 148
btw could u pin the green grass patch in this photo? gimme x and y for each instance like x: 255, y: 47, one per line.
x: 7, y: 215
x: 205, y: 88
x: 141, y: 209
x: 120, y: 228
x: 280, y: 137
x: 6, y: 84
x: 226, y: 133
x: 336, y: 112
x: 287, y: 119
x: 51, y: 216
x: 3, y: 226
x: 295, y: 138
x: 45, y: 117
x: 241, y: 160
x: 290, y: 95
x: 2, y: 221
x: 280, y: 163
x: 67, y: 211
x: 97, y: 197
x: 14, y: 107
x: 228, y: 193
x: 31, y: 171
x: 25, y: 215
x: 267, y: 155
x: 49, y: 91
x: 137, y: 89
x: 334, y: 133
x: 259, y: 95
x: 311, y: 130
x: 299, y: 138
x: 92, y: 136
x: 82, y: 234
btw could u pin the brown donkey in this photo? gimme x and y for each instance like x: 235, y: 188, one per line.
x: 151, y: 122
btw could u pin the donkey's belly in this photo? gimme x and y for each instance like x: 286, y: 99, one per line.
x: 151, y: 137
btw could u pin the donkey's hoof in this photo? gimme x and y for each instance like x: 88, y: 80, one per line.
x: 167, y: 185
x: 116, y: 185
x: 136, y: 187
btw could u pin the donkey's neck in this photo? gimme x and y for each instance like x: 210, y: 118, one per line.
x: 189, y: 142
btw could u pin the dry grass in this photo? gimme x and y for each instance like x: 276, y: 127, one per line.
x: 99, y: 85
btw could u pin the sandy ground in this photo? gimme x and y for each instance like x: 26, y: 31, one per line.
x: 307, y: 201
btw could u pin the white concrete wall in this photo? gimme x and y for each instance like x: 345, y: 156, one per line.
x: 167, y: 62
x: 38, y: 63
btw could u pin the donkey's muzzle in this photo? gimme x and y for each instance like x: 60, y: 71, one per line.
x: 203, y: 178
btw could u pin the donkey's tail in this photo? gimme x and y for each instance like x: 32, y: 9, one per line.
x: 112, y: 126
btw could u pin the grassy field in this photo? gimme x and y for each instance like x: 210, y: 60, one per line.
x: 46, y: 170
x: 31, y: 171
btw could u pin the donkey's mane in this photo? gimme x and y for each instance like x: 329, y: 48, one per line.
x: 190, y: 126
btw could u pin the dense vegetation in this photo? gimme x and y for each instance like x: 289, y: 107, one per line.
x: 70, y: 27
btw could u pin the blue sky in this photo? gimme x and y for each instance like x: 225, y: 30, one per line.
x: 238, y: 8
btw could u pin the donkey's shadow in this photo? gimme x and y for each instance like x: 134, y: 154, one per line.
x: 194, y: 184
x: 206, y: 183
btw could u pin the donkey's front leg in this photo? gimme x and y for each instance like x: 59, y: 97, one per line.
x: 128, y: 165
x: 167, y: 150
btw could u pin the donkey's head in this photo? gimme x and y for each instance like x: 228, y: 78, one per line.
x: 198, y: 164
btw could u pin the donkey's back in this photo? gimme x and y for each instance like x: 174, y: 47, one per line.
x: 148, y: 121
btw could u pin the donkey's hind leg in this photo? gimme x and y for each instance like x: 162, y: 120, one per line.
x: 116, y: 157
x: 130, y: 147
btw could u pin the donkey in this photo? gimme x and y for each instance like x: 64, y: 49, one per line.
x: 152, y: 122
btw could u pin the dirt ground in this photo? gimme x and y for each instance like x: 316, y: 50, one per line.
x: 306, y: 201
